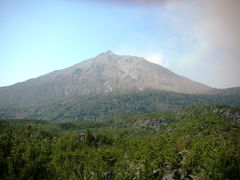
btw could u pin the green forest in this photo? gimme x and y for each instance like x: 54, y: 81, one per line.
x: 198, y: 142
x: 111, y: 104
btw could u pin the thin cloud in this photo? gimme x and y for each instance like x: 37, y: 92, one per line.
x: 213, y: 28
x: 220, y: 29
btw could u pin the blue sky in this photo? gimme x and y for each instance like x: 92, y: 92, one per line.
x: 37, y: 37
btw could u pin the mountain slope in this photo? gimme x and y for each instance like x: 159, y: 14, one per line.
x: 105, y: 73
x: 104, y: 86
x: 112, y: 104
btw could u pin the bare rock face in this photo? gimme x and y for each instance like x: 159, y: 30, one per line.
x: 110, y: 72
x: 105, y: 73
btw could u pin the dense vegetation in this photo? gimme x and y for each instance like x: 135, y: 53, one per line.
x: 112, y: 104
x: 201, y: 141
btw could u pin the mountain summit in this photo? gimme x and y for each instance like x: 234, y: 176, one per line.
x: 104, y: 73
x: 110, y: 72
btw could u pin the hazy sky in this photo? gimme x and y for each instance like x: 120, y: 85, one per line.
x: 199, y: 39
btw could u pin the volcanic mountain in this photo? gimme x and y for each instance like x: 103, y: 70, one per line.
x: 106, y: 72
x: 107, y: 84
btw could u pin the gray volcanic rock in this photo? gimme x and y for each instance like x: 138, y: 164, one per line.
x: 106, y: 72
x: 109, y: 72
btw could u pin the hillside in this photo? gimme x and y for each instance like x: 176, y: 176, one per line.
x: 112, y: 104
x: 197, y: 142
x: 106, y: 72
